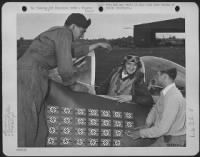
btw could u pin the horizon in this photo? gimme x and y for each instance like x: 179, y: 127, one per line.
x: 166, y: 37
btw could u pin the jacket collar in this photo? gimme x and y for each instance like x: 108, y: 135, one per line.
x: 167, y: 88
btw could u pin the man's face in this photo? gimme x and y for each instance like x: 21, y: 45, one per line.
x: 130, y: 67
x: 78, y: 32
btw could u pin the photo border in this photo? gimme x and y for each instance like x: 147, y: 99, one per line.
x: 9, y: 81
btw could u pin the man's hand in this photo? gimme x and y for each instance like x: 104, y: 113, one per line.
x: 142, y: 127
x: 123, y: 98
x: 106, y: 46
x: 134, y: 134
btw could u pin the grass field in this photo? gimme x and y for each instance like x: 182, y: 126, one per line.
x: 106, y: 61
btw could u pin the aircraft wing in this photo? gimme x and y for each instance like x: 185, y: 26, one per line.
x: 83, y: 119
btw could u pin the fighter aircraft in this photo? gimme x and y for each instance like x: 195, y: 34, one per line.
x: 78, y: 117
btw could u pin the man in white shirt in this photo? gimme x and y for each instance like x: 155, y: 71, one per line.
x: 167, y: 118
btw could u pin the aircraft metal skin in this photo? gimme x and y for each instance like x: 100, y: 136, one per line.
x: 63, y: 97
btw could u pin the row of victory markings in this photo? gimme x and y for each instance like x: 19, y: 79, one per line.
x: 93, y: 122
x: 91, y: 112
x: 67, y: 141
x: 69, y: 131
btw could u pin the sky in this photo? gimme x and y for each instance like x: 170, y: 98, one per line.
x: 108, y: 26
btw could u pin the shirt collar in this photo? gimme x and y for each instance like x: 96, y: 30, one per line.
x: 124, y: 74
x: 129, y: 76
x: 166, y: 89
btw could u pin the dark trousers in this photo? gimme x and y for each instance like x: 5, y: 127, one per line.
x: 175, y: 141
x: 163, y: 141
x: 32, y: 86
x: 170, y: 141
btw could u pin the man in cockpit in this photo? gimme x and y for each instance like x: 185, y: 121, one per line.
x: 126, y: 83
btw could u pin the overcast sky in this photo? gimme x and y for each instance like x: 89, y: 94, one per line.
x: 109, y: 26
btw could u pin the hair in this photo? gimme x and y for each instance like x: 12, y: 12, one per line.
x: 135, y: 59
x: 78, y: 19
x: 172, y: 73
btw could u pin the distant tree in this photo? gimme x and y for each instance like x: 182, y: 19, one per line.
x: 125, y: 42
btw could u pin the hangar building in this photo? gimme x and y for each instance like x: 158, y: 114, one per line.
x: 145, y: 34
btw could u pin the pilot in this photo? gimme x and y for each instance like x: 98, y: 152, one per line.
x: 167, y: 118
x: 126, y: 83
x: 52, y: 48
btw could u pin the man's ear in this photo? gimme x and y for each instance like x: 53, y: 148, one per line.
x: 72, y: 26
x: 166, y: 77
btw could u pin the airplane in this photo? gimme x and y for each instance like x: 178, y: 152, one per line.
x: 77, y: 117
